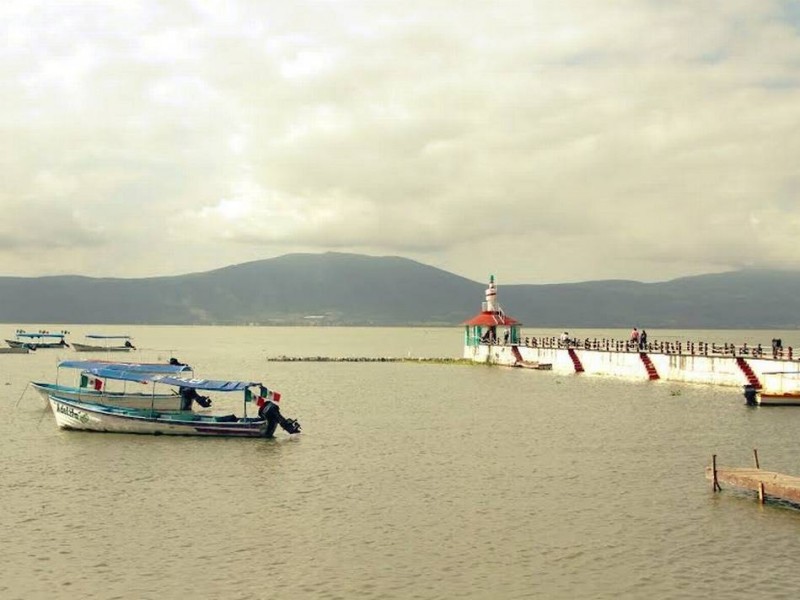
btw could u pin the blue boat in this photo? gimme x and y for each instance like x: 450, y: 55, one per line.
x: 92, y: 388
x: 73, y: 414
x: 33, y: 340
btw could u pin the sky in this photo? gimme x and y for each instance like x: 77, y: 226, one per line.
x: 539, y: 141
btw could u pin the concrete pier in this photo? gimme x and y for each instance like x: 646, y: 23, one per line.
x: 494, y: 337
x: 684, y: 363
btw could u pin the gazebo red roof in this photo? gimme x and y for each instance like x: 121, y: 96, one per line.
x: 488, y: 319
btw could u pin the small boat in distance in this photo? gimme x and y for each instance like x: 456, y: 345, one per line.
x: 108, y: 343
x: 766, y: 398
x: 72, y: 414
x: 20, y: 350
x: 781, y: 388
x: 33, y: 340
x: 95, y: 389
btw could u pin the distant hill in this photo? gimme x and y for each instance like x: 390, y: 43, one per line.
x: 750, y: 299
x: 350, y: 289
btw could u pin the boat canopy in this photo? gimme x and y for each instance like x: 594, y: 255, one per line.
x: 124, y: 367
x: 212, y: 385
x: 97, y: 336
x: 795, y: 373
x: 27, y: 334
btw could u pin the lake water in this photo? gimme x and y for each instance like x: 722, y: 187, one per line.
x: 409, y: 481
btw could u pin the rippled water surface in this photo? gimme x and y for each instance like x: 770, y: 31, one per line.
x: 409, y: 481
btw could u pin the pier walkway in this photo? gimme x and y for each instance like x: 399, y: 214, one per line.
x: 680, y: 348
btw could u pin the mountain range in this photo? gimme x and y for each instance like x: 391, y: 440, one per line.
x: 351, y: 289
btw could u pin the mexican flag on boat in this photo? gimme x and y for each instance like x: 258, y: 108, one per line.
x: 264, y: 395
x: 91, y: 381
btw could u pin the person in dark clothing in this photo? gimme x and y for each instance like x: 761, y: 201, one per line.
x: 643, y: 340
x: 189, y: 395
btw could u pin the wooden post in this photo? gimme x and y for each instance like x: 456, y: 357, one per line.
x: 715, y: 484
x: 761, y: 498
x: 755, y: 455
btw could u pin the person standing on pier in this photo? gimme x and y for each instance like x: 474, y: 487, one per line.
x: 635, y: 337
x: 643, y: 340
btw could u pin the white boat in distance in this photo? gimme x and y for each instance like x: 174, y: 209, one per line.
x: 94, y: 389
x: 781, y: 388
x: 34, y: 340
x: 72, y: 414
x: 109, y: 343
x: 766, y: 398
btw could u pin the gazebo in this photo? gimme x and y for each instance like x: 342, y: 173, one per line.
x: 482, y: 328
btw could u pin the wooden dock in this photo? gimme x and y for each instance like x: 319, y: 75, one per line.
x: 765, y: 483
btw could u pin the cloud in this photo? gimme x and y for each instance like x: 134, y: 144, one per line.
x: 537, y: 141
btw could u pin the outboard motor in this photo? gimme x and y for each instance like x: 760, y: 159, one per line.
x: 291, y: 425
x: 272, y: 414
x: 750, y: 395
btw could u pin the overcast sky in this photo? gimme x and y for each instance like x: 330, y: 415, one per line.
x: 537, y: 140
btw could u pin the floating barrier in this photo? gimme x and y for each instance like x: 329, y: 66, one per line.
x: 367, y: 359
x: 384, y: 359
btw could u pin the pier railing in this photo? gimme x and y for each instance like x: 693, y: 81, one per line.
x: 687, y: 348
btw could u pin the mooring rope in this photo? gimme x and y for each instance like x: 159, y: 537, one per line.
x: 25, y: 389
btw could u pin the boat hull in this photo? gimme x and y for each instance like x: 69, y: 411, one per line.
x: 91, y: 348
x: 159, y: 402
x: 110, y: 419
x: 35, y: 345
x: 778, y: 399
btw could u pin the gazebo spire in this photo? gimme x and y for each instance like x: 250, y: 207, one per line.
x: 491, y: 314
